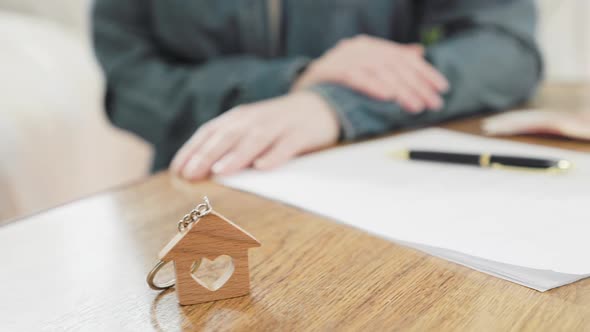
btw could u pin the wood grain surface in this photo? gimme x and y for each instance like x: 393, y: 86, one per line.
x: 82, y: 266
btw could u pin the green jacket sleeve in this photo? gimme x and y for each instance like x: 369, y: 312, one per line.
x: 488, y: 54
x: 163, y: 99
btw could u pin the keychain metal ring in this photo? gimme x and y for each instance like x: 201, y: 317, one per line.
x: 152, y: 275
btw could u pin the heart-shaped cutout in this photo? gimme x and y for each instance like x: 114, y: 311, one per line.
x: 213, y: 274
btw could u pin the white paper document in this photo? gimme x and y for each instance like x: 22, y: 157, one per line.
x: 531, y: 228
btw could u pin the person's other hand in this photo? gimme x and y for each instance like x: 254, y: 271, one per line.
x: 263, y: 135
x: 380, y: 69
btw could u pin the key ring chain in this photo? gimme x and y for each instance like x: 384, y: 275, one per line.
x: 197, y: 213
x: 201, y: 210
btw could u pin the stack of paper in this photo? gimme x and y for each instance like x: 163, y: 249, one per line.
x: 527, y: 227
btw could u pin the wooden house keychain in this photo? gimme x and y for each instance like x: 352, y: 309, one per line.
x: 210, y: 255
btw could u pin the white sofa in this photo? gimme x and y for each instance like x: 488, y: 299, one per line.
x: 55, y: 143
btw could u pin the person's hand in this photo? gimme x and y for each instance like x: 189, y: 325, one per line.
x: 380, y: 69
x: 264, y: 135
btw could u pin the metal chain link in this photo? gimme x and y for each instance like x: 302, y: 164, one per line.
x: 197, y: 213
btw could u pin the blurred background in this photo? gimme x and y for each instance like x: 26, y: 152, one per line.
x: 56, y: 144
x: 564, y: 36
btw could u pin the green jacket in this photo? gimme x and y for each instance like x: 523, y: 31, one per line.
x: 172, y: 65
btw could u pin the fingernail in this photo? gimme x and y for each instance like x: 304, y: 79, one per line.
x: 219, y: 167
x: 260, y: 163
x: 174, y: 167
x: 438, y: 104
x: 418, y: 107
x: 412, y: 108
x: 192, y: 167
x: 224, y: 165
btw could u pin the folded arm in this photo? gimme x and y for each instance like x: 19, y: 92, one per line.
x: 489, y: 58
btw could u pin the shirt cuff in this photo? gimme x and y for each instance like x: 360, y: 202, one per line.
x: 344, y: 110
x: 275, y: 79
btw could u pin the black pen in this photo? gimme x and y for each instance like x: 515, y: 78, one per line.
x: 487, y: 160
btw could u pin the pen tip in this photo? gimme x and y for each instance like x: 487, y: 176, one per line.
x: 564, y: 165
x: 401, y: 154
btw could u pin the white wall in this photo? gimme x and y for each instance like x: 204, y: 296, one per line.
x: 564, y: 34
x: 68, y: 12
x: 55, y: 142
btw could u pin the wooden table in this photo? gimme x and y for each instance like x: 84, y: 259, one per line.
x: 82, y: 266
